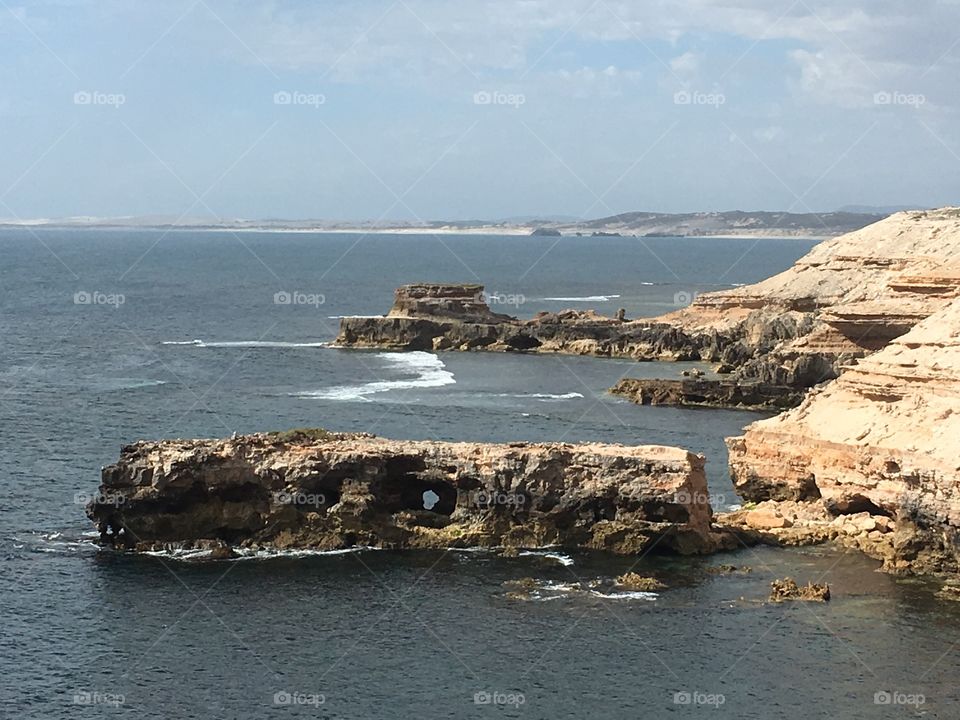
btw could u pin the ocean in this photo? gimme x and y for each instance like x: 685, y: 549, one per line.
x: 109, y: 336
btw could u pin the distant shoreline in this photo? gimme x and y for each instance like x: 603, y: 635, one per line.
x: 490, y: 231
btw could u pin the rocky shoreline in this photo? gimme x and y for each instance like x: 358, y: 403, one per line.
x: 846, y: 299
x: 859, y: 341
x: 708, y: 393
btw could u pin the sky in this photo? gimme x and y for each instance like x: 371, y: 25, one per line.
x: 434, y: 109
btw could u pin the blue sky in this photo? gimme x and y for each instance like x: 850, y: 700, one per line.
x: 482, y: 109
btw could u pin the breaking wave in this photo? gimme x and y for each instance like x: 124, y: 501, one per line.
x: 424, y: 370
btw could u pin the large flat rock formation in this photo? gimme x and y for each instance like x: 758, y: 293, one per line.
x: 319, y: 490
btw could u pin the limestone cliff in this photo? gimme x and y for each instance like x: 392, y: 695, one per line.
x: 883, y: 439
x: 329, y: 491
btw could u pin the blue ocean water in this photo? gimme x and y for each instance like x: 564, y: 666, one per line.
x: 111, y: 336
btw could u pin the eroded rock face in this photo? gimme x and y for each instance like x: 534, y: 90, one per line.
x: 329, y: 491
x: 883, y: 439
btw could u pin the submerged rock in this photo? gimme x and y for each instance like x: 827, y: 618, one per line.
x: 320, y: 490
x: 787, y: 589
x: 635, y: 581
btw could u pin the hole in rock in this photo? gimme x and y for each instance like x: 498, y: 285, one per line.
x: 404, y: 487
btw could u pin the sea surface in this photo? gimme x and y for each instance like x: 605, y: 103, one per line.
x: 109, y: 336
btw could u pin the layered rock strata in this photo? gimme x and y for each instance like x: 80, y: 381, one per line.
x: 329, y: 491
x: 708, y: 393
x: 883, y: 439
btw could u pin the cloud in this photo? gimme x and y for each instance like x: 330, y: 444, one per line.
x: 839, y: 54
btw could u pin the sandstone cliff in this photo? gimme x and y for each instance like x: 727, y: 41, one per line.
x: 312, y: 489
x: 883, y: 440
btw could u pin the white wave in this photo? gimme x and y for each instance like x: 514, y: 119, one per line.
x: 113, y: 384
x: 360, y: 317
x: 564, y: 560
x: 246, y: 344
x: 588, y: 298
x: 542, y: 396
x: 266, y: 554
x: 426, y: 368
x: 626, y: 595
x: 252, y: 554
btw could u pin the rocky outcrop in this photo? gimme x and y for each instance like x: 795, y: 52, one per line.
x: 847, y: 298
x: 312, y: 489
x: 708, y: 393
x: 882, y: 440
x: 787, y: 589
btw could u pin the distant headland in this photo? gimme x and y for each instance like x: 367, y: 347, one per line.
x: 735, y: 223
